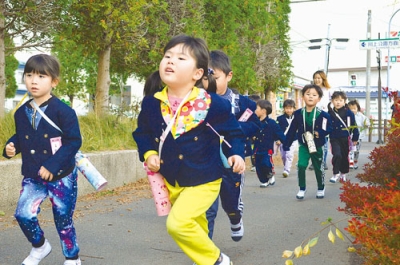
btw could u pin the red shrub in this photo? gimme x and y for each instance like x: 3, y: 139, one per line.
x: 375, y: 203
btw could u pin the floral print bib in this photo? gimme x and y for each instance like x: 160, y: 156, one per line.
x: 192, y: 113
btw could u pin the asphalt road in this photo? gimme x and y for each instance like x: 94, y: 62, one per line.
x: 123, y: 228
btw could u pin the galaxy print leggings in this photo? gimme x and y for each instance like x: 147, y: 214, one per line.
x: 62, y: 194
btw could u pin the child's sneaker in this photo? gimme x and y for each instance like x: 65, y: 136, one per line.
x: 223, y: 260
x: 37, y: 254
x: 351, y: 165
x: 335, y: 178
x: 285, y: 174
x: 320, y: 194
x: 300, y: 194
x: 355, y: 165
x: 253, y: 169
x: 237, y: 231
x: 271, y: 181
x: 343, y: 177
x: 264, y: 185
x: 73, y: 262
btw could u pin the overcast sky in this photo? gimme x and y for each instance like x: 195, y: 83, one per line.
x: 347, y: 19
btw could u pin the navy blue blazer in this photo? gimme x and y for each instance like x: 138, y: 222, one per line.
x: 297, y: 128
x: 34, y: 145
x: 194, y: 157
x: 339, y: 129
x: 252, y: 125
x: 267, y: 135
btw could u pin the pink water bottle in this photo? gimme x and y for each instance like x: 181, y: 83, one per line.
x: 160, y: 192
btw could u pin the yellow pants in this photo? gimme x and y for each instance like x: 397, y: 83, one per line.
x: 187, y: 223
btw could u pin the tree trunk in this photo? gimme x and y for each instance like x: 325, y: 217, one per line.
x: 2, y: 64
x: 103, y: 83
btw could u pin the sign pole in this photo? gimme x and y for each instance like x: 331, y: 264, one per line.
x: 368, y: 74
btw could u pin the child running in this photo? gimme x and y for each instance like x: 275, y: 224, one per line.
x: 310, y: 126
x: 232, y: 183
x: 174, y: 138
x: 344, y: 127
x: 264, y: 143
x: 47, y: 173
x: 362, y: 123
x: 284, y: 121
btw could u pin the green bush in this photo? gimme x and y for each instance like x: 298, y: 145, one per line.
x: 98, y: 134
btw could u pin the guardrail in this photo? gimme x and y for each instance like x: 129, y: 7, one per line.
x: 385, y: 126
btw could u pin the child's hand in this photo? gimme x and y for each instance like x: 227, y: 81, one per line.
x: 278, y: 142
x: 316, y: 134
x: 354, y: 143
x: 153, y: 163
x: 45, y: 174
x: 238, y: 164
x: 10, y: 149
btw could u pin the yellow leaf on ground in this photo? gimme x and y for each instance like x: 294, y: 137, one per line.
x: 298, y: 251
x: 331, y: 237
x: 313, y: 242
x: 339, y: 234
x: 351, y: 249
x: 306, y: 250
x: 287, y: 254
x: 289, y: 262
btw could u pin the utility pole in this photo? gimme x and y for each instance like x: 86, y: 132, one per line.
x: 328, y: 44
x: 327, y: 50
x: 378, y: 58
x: 368, y: 74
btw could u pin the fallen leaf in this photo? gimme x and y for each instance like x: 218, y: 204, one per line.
x: 298, y: 251
x: 287, y: 254
x: 339, y: 234
x: 306, y: 250
x: 331, y: 237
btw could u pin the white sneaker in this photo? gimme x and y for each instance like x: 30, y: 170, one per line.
x: 355, y: 165
x: 320, y: 194
x: 300, y: 194
x: 264, y: 185
x: 237, y: 234
x: 343, y: 177
x: 225, y: 260
x: 271, y: 181
x: 285, y: 174
x: 37, y: 254
x: 253, y: 169
x: 334, y: 178
x: 73, y: 262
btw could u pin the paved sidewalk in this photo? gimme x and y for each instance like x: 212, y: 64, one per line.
x: 124, y: 229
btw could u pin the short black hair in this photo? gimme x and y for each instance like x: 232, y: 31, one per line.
x: 254, y: 97
x: 43, y: 64
x: 220, y: 60
x: 312, y: 86
x: 265, y: 104
x: 339, y: 94
x: 354, y: 103
x: 289, y: 103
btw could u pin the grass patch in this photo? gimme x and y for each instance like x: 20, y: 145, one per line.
x: 108, y: 133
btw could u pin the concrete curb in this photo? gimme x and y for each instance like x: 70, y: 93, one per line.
x: 118, y: 167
